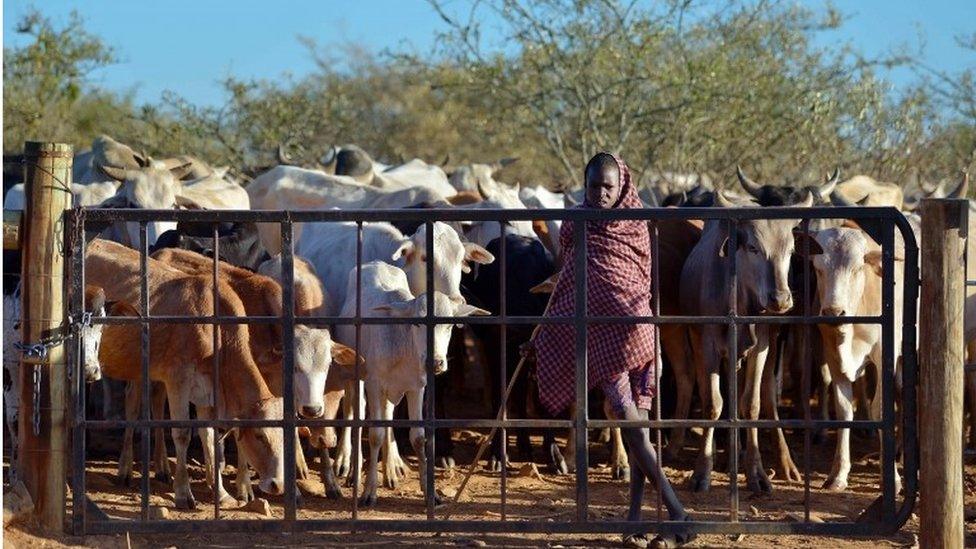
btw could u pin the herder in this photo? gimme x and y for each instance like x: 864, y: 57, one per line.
x: 621, y: 358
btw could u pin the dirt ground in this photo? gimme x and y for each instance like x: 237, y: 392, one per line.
x: 543, y: 497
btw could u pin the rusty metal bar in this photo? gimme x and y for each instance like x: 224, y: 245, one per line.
x: 288, y: 365
x: 144, y: 380
x: 807, y: 366
x: 79, y: 495
x: 582, y: 413
x: 888, y: 454
x: 357, y: 425
x: 656, y: 310
x: 215, y: 334
x: 503, y: 366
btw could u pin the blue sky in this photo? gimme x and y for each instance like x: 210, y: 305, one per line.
x: 188, y: 46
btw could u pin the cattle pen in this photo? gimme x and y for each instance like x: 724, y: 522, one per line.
x: 899, y: 424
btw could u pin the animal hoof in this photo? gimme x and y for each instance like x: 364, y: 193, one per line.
x: 391, y: 481
x: 835, y: 485
x: 760, y: 486
x: 342, y: 469
x: 186, y: 503
x: 620, y: 473
x: 124, y: 480
x: 446, y: 462
x: 163, y: 477
x: 558, y: 463
x: 438, y: 501
x: 700, y: 483
x: 227, y: 501
x: 494, y: 465
x: 333, y: 493
x: 368, y: 500
x: 450, y: 462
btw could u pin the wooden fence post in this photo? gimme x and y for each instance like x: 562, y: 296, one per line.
x: 941, y: 362
x: 43, y: 456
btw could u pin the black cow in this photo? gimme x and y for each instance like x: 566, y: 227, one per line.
x: 528, y: 263
x: 773, y: 195
x: 238, y: 242
x: 696, y: 197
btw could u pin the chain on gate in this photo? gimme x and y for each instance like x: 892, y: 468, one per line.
x: 38, y: 350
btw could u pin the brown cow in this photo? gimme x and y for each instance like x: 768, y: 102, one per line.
x: 181, y: 357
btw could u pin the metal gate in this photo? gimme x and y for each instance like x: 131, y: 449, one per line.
x: 87, y: 518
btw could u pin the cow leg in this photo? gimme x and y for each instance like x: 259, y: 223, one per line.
x: 391, y: 454
x: 619, y: 466
x: 332, y: 490
x: 415, y: 407
x: 568, y: 454
x: 675, y: 344
x: 301, y: 466
x: 179, y: 409
x: 350, y: 435
x: 164, y: 472
x: 756, y: 478
x: 876, y: 404
x: 710, y: 391
x: 245, y: 492
x: 213, y: 455
x: 843, y: 394
x: 770, y: 410
x: 133, y: 396
x: 379, y: 407
x: 824, y: 397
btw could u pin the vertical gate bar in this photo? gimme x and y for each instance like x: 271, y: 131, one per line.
x: 656, y: 308
x: 910, y: 369
x: 429, y: 366
x: 144, y: 432
x: 288, y: 378
x: 356, y: 428
x: 76, y: 226
x: 580, y: 325
x: 503, y: 339
x: 733, y: 404
x: 215, y: 374
x: 806, y: 372
x: 888, y: 370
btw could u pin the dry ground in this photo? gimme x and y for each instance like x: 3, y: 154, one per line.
x: 548, y: 497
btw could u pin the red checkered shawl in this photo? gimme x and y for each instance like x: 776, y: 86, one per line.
x: 618, y: 279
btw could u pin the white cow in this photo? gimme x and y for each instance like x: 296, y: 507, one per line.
x: 396, y: 354
x: 497, y: 196
x: 331, y: 249
x: 91, y: 194
x: 292, y: 188
x: 472, y: 177
x: 849, y: 282
x: 539, y: 197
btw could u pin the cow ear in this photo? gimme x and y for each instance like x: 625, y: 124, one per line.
x: 344, y: 355
x: 465, y: 309
x: 800, y: 238
x: 181, y: 171
x: 873, y: 259
x: 547, y: 286
x: 405, y: 249
x: 474, y: 252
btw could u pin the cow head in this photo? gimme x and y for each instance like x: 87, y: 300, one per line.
x: 315, y: 353
x: 450, y: 259
x: 772, y: 195
x: 147, y: 189
x: 263, y: 447
x: 764, y: 249
x: 91, y: 335
x: 444, y: 305
x: 844, y: 258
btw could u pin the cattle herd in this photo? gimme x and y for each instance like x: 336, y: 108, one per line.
x: 843, y: 258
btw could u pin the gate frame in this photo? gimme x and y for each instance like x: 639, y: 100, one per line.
x: 892, y: 518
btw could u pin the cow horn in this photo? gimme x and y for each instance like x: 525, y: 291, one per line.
x: 503, y: 162
x: 181, y: 171
x: 749, y: 185
x: 839, y: 200
x: 807, y: 201
x: 283, y: 157
x: 330, y: 156
x: 185, y: 203
x: 481, y: 190
x: 116, y: 173
x: 828, y: 186
x: 142, y: 159
x: 962, y: 189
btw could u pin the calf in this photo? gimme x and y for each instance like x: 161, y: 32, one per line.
x: 849, y: 279
x: 181, y: 357
x: 396, y: 355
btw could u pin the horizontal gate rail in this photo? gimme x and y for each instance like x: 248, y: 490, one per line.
x: 893, y: 514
